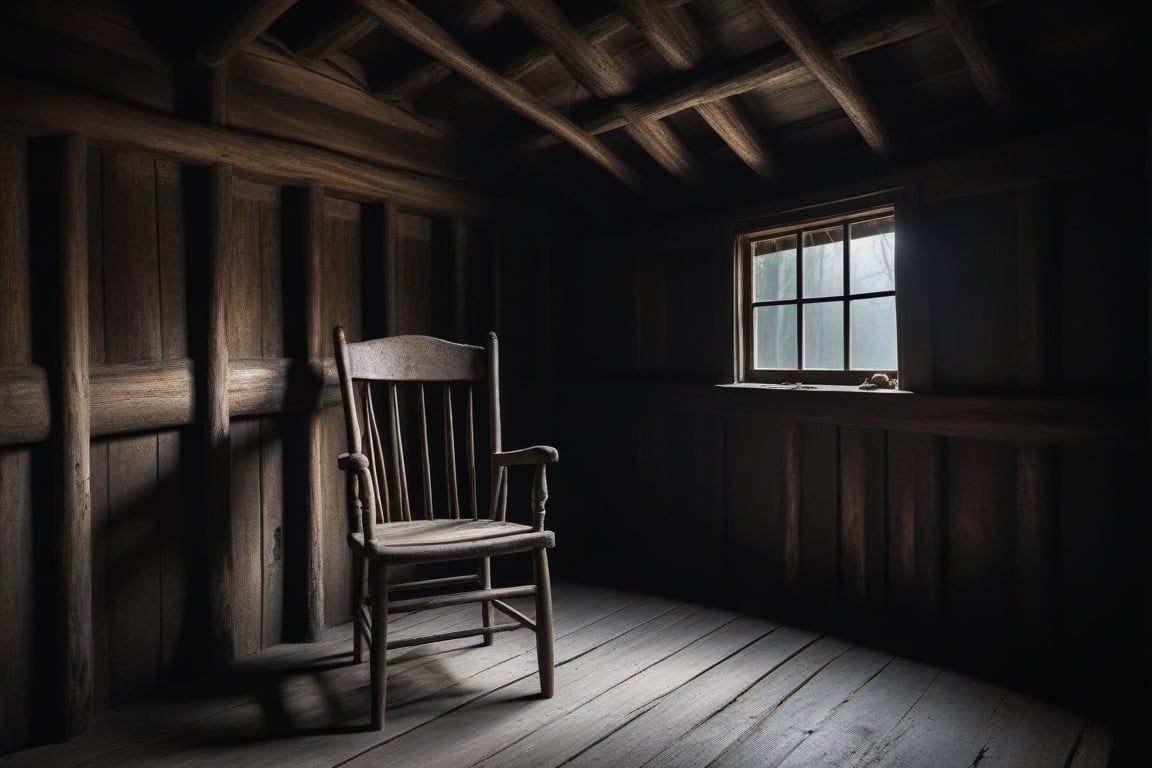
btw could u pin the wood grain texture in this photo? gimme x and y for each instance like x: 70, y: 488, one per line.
x: 254, y: 311
x: 341, y: 299
x: 642, y: 681
x: 215, y: 420
x: 863, y: 513
x: 16, y: 501
x: 132, y: 334
x: 819, y: 514
x: 765, y: 68
x: 410, y: 24
x: 73, y: 560
x: 25, y: 405
x: 916, y: 533
x: 594, y: 70
x: 315, y: 344
x: 59, y: 109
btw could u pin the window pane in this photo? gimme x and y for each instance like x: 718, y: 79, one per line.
x: 873, y: 255
x: 873, y: 328
x: 824, y: 335
x: 823, y: 256
x: 774, y: 341
x: 774, y: 269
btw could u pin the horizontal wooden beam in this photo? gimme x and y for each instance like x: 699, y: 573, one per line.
x: 1025, y: 419
x: 269, y: 386
x: 133, y: 397
x: 40, y: 108
x: 25, y: 416
x: 671, y: 32
x: 478, y: 17
x: 415, y: 28
x: 597, y: 72
x: 130, y: 397
x: 595, y: 32
x: 799, y: 30
x: 771, y: 67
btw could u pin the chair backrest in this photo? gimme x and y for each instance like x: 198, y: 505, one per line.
x: 410, y: 409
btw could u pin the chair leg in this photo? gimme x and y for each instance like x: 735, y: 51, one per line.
x: 357, y: 605
x: 545, y: 657
x: 378, y: 653
x: 487, y: 614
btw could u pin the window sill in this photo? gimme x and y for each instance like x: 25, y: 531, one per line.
x: 802, y: 387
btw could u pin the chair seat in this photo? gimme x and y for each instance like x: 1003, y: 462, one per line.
x: 430, y: 540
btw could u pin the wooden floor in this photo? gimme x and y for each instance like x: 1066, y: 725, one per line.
x: 641, y: 680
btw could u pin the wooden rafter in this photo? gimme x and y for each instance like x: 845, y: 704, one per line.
x: 480, y: 16
x: 595, y: 32
x: 341, y: 32
x: 243, y: 30
x: 409, y: 24
x: 964, y: 24
x: 803, y: 35
x: 672, y: 34
x: 766, y: 68
x: 594, y: 70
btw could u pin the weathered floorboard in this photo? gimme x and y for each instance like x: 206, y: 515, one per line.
x: 642, y: 680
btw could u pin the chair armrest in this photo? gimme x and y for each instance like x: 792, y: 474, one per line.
x: 357, y: 466
x: 537, y: 454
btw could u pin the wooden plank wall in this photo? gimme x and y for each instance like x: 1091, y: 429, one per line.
x: 176, y: 248
x: 990, y: 546
x: 151, y: 549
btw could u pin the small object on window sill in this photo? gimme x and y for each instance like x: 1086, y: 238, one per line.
x: 797, y: 385
x: 879, y: 381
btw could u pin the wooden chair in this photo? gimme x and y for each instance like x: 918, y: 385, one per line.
x: 409, y: 510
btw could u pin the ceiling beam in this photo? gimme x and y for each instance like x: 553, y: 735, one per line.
x: 672, y: 34
x: 257, y: 18
x: 963, y: 22
x: 595, y: 32
x: 769, y: 67
x: 477, y: 18
x: 596, y: 71
x: 347, y: 28
x: 801, y: 32
x: 412, y: 26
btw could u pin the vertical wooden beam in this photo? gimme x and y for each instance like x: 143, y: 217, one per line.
x: 215, y: 413
x: 72, y: 430
x: 315, y: 338
x: 16, y: 596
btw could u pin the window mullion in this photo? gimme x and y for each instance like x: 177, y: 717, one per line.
x: 844, y: 235
x: 800, y: 300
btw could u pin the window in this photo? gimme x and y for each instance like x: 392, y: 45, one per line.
x: 818, y: 300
